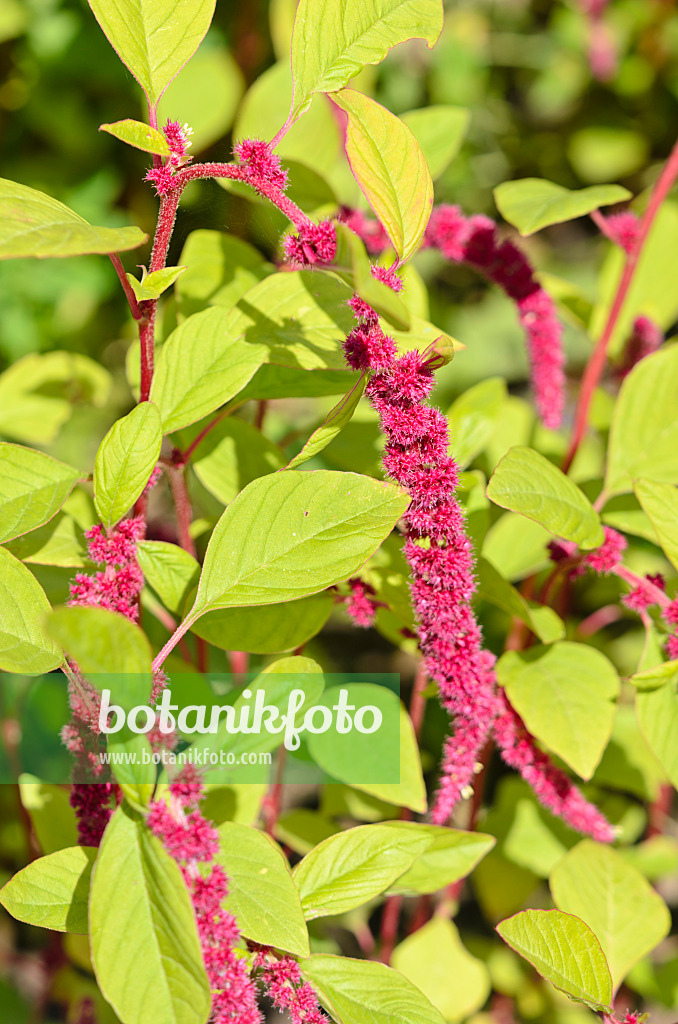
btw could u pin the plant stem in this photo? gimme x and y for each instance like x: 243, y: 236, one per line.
x: 238, y: 172
x: 147, y: 340
x: 596, y: 364
x: 134, y: 306
x: 176, y: 636
x: 182, y: 505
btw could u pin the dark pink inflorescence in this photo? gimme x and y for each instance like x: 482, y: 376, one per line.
x: 193, y: 842
x: 440, y: 554
x: 475, y: 241
x: 314, y: 243
x: 646, y: 337
x: 178, y: 139
x: 359, y: 606
x: 262, y: 165
x: 286, y: 988
x: 623, y: 229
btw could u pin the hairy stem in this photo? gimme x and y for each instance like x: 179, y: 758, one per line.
x: 134, y: 306
x: 596, y: 364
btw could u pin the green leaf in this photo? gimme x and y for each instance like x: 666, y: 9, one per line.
x: 516, y: 547
x: 352, y: 264
x: 220, y: 268
x: 153, y: 285
x: 139, y: 135
x: 531, y: 204
x: 233, y: 454
x: 451, y: 855
x: 660, y: 502
x: 389, y: 167
x: 52, y: 817
x: 657, y: 712
x: 332, y: 425
x: 52, y: 892
x: 527, y: 483
x: 154, y: 38
x: 144, y: 941
x: 542, y: 620
x: 352, y: 867
x: 356, y: 991
x: 267, y: 628
x: 59, y: 542
x: 101, y: 642
x: 201, y: 366
x: 565, y: 694
x: 34, y: 224
x: 333, y: 40
x: 597, y: 884
x: 261, y: 893
x: 33, y: 487
x: 437, y: 962
x: 294, y: 533
x: 170, y: 570
x: 564, y: 951
x: 125, y: 460
x: 644, y: 432
x: 440, y: 131
x: 411, y: 790
x: 473, y: 418
x: 24, y: 644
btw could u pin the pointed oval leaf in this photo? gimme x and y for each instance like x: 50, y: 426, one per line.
x: 333, y: 39
x: 53, y: 891
x: 389, y: 166
x: 33, y: 487
x: 52, y: 817
x: 657, y: 713
x: 440, y: 131
x: 527, y: 483
x: 563, y: 950
x: 34, y: 224
x: 143, y: 936
x: 644, y: 431
x: 154, y: 38
x: 139, y: 135
x: 266, y: 628
x: 153, y: 285
x: 101, y: 641
x: 294, y: 533
x: 451, y: 855
x: 660, y: 503
x: 25, y: 647
x: 261, y: 894
x: 597, y: 884
x: 170, y: 570
x: 356, y: 991
x: 125, y: 460
x: 350, y: 868
x: 531, y: 204
x: 565, y: 694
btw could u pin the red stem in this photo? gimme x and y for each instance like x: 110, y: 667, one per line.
x: 240, y: 172
x: 596, y: 364
x: 126, y: 286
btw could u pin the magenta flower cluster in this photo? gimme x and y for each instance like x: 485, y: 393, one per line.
x: 645, y: 338
x: 475, y: 241
x: 286, y: 988
x: 441, y: 558
x: 193, y: 843
x: 359, y: 605
x: 118, y: 584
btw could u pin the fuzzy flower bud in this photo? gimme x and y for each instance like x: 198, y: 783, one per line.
x: 262, y: 165
x: 607, y: 556
x: 315, y: 243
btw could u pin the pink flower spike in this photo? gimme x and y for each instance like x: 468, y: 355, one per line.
x: 163, y: 179
x: 178, y: 139
x: 623, y: 229
x: 359, y: 606
x: 608, y: 555
x: 315, y: 243
x: 261, y: 163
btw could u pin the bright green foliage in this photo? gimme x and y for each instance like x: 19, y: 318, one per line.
x: 644, y: 432
x: 52, y: 892
x: 33, y: 487
x: 59, y: 542
x: 440, y: 131
x: 657, y: 712
x: 388, y: 164
x: 332, y: 425
x: 436, y: 961
x: 565, y: 694
x: 143, y: 935
x: 563, y: 950
x: 351, y: 989
x: 411, y: 790
x: 531, y: 204
x: 24, y: 645
x: 542, y: 620
x: 220, y: 268
x: 354, y: 866
x: 52, y: 817
x: 291, y: 534
x: 262, y: 895
x: 473, y: 419
x: 660, y: 502
x: 332, y: 41
x: 153, y: 285
x: 351, y: 263
x: 101, y: 641
x: 125, y: 460
x: 233, y: 455
x: 170, y: 570
x: 139, y: 135
x: 627, y: 916
x: 526, y: 482
x: 154, y: 38
x: 34, y: 224
x: 452, y: 854
x: 266, y: 628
